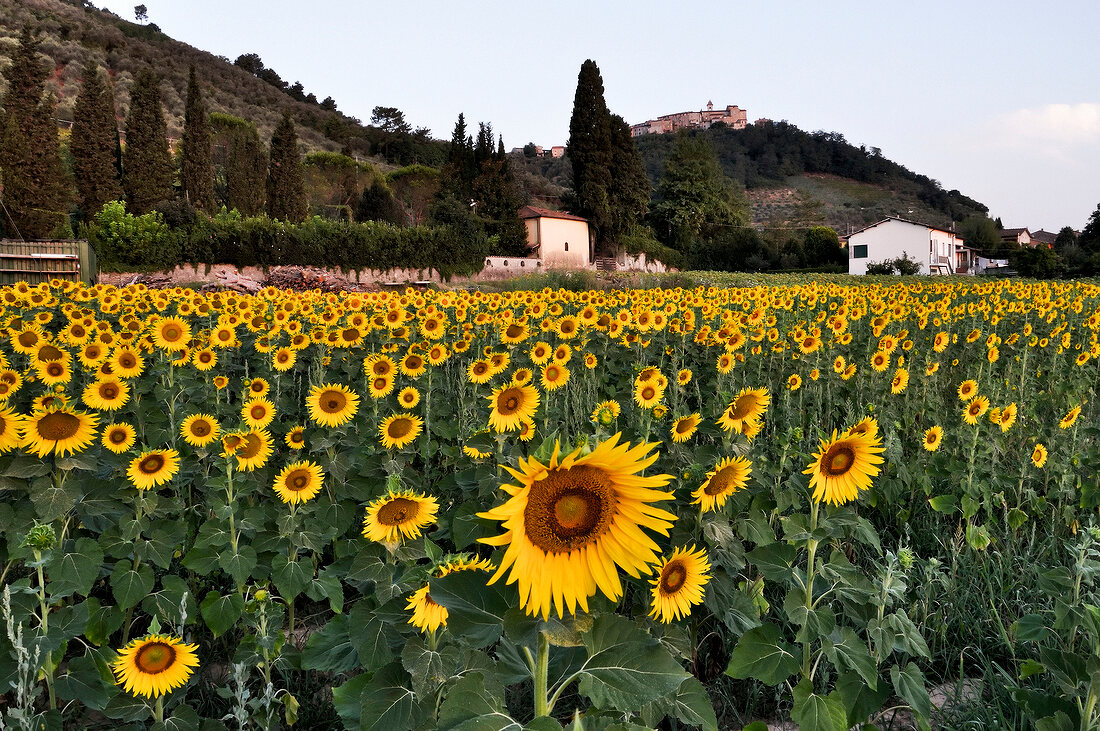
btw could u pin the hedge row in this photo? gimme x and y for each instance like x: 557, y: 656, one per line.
x: 126, y: 242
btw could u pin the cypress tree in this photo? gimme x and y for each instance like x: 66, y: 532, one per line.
x: 589, y: 151
x: 35, y: 191
x: 147, y: 164
x: 459, y: 171
x: 286, y: 197
x: 629, y: 196
x: 197, y: 169
x: 245, y: 172
x: 94, y: 143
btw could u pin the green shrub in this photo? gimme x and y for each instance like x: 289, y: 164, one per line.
x: 125, y: 241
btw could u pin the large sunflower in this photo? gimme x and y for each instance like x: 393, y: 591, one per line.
x: 332, y: 404
x: 59, y: 429
x: 679, y: 583
x: 153, y: 468
x: 572, y: 523
x: 933, y: 438
x: 299, y: 482
x: 554, y: 376
x: 253, y: 449
x: 400, y: 430
x: 728, y: 476
x: 512, y: 405
x: 106, y: 395
x: 171, y: 333
x: 199, y: 430
x: 684, y: 427
x: 397, y: 516
x: 11, y: 430
x: 257, y: 413
x: 1070, y: 418
x: 748, y: 407
x: 119, y: 437
x: 843, y: 467
x: 154, y: 665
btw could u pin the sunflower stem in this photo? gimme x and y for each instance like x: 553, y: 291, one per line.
x: 539, y: 671
x: 811, y: 548
x: 158, y: 709
x: 47, y: 668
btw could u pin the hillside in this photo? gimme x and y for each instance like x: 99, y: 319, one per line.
x: 794, y: 177
x: 72, y: 34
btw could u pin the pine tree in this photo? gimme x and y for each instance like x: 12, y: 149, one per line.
x: 589, y: 152
x: 459, y: 171
x: 94, y: 143
x: 196, y: 169
x: 35, y: 191
x: 286, y: 198
x: 147, y: 164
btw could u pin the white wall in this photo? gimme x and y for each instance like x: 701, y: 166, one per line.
x: 889, y: 240
x: 553, y: 235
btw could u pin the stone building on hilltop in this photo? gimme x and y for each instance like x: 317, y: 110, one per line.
x: 732, y: 116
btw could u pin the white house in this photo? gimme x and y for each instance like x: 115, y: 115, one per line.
x: 935, y: 249
x: 557, y: 238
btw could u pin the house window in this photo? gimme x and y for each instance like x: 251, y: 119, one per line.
x: 859, y: 251
x: 567, y: 246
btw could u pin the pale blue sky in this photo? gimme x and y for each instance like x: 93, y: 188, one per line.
x: 998, y: 99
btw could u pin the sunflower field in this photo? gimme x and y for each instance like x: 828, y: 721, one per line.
x: 846, y: 504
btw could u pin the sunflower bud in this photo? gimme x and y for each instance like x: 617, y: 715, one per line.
x: 260, y: 595
x: 40, y: 537
x: 906, y: 558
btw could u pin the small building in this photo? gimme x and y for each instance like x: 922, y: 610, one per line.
x: 1043, y: 238
x: 557, y: 151
x: 937, y: 250
x: 557, y: 238
x: 1019, y: 236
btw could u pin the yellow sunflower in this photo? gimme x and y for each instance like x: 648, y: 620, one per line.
x: 397, y: 516
x: 11, y: 430
x: 205, y: 359
x: 683, y: 377
x: 152, y: 468
x: 429, y: 616
x: 880, y: 361
x: 866, y: 426
x: 1070, y: 418
x: 171, y: 334
x: 684, y: 427
x: 252, y: 449
x: 527, y: 430
x: 127, y: 363
x: 408, y: 398
x: 154, y: 665
x: 284, y: 359
x: 480, y: 371
x: 975, y: 409
x: 899, y: 381
x: 199, y: 430
x: 968, y: 390
x: 54, y: 372
x: 572, y: 523
x: 728, y: 476
x: 380, y: 386
x: 679, y: 584
x: 296, y: 437
x: 106, y: 395
x: 933, y: 438
x: 332, y: 404
x: 59, y: 429
x: 400, y: 430
x: 512, y: 405
x: 299, y: 482
x: 412, y: 365
x: 257, y: 413
x: 648, y: 394
x: 794, y: 382
x: 119, y: 437
x: 1039, y: 455
x: 1008, y: 416
x: 554, y: 375
x: 843, y: 467
x: 748, y: 407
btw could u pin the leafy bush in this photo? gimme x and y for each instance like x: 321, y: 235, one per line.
x: 123, y: 240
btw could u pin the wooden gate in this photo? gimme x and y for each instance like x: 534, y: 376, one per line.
x: 40, y: 261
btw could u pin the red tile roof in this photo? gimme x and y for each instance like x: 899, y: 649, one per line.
x: 536, y: 212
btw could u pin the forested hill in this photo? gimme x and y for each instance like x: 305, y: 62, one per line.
x: 73, y: 33
x: 803, y: 177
